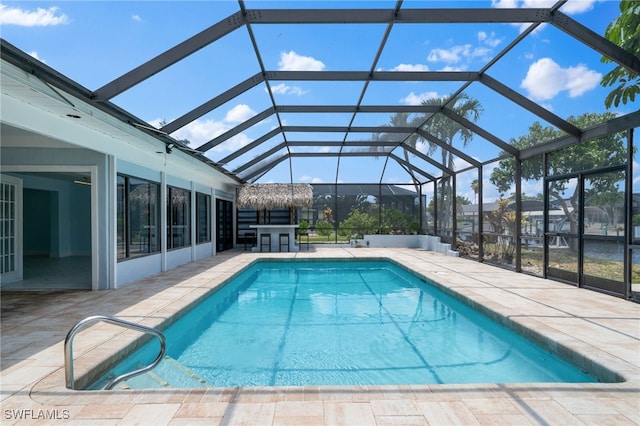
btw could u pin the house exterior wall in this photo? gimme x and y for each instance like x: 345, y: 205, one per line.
x: 43, y: 134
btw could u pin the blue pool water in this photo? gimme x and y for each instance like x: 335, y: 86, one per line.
x: 304, y: 322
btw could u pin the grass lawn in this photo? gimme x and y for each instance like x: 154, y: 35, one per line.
x: 567, y: 260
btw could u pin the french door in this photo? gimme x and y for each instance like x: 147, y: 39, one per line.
x: 224, y: 225
x: 562, y: 238
x: 603, y: 232
x: 585, y: 230
x: 10, y: 229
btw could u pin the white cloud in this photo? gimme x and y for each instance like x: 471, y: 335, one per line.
x: 581, y: 79
x: 34, y: 54
x: 457, y: 58
x: 538, y: 3
x: 310, y: 179
x: 532, y: 187
x: 459, y: 164
x: 136, y: 18
x: 636, y: 173
x: 233, y: 144
x: 457, y: 54
x: 283, y: 89
x: 450, y: 68
x: 545, y: 79
x: 504, y: 4
x: 31, y: 18
x: 239, y: 114
x: 489, y: 39
x: 291, y: 61
x: 481, y: 52
x: 157, y: 123
x: 524, y: 26
x: 410, y: 67
x: 452, y: 55
x: 577, y: 6
x: 546, y: 106
x: 570, y: 7
x: 420, y: 147
x: 413, y: 99
x: 490, y: 193
x: 200, y: 132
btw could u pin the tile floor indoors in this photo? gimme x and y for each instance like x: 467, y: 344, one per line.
x: 595, y: 330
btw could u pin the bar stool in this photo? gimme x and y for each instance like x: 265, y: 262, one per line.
x: 303, y: 234
x: 283, y: 240
x: 265, y: 241
x: 249, y: 240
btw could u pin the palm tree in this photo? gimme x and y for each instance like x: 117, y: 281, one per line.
x: 474, y: 187
x: 400, y: 119
x: 446, y: 129
x: 440, y: 126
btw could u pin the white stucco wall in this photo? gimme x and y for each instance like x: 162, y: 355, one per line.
x: 425, y: 242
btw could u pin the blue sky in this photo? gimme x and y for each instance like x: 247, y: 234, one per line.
x: 96, y: 42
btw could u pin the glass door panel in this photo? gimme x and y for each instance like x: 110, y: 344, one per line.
x: 635, y: 274
x: 11, y: 238
x: 562, y: 238
x: 563, y: 258
x: 603, y: 231
x: 224, y: 225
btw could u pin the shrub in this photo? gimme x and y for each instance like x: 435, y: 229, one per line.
x: 357, y: 224
x: 323, y: 228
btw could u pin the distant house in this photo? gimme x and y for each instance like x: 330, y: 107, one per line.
x: 533, y: 216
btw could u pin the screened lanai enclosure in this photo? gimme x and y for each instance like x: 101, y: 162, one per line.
x: 486, y: 125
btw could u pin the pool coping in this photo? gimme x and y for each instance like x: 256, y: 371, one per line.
x: 562, y: 351
x: 468, y: 281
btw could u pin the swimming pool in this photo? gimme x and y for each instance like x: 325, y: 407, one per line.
x: 337, y: 322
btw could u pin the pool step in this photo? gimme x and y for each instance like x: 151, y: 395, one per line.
x: 168, y: 374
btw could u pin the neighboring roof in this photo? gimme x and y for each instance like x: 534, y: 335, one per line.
x: 285, y: 143
x: 527, y: 206
x: 362, y: 189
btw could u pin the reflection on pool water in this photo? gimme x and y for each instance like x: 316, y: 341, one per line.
x: 337, y: 322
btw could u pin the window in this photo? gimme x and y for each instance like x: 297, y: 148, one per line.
x: 138, y: 217
x: 178, y: 217
x: 203, y: 218
x: 121, y: 222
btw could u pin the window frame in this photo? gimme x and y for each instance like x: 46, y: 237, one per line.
x: 180, y: 213
x: 203, y: 235
x: 124, y: 219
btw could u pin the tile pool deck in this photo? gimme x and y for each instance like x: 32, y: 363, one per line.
x: 591, y: 327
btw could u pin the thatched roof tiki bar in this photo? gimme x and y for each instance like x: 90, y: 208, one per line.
x: 271, y: 196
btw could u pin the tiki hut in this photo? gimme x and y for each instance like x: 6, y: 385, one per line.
x: 275, y: 195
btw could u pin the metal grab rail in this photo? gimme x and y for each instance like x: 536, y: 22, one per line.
x: 68, y: 347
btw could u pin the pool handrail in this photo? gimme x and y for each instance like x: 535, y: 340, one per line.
x: 82, y: 324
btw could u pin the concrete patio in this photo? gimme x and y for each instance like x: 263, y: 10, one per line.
x: 598, y: 332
